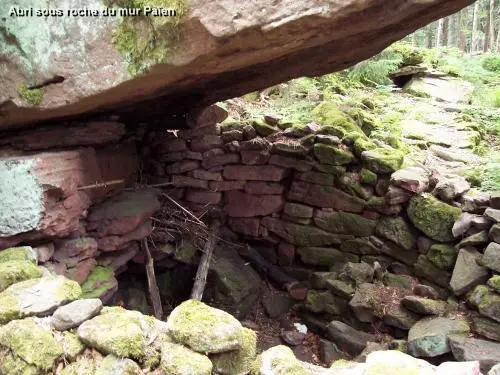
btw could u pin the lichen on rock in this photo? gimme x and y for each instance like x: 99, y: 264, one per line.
x: 203, y: 328
x: 179, y: 360
x: 239, y: 361
x: 433, y: 217
x: 16, y: 271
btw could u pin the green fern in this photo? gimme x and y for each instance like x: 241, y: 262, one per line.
x: 375, y: 71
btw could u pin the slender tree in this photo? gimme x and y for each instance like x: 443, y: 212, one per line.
x: 492, y: 25
x: 439, y: 33
x: 475, y: 29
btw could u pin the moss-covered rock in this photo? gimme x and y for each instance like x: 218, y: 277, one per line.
x: 398, y: 281
x: 31, y: 348
x: 26, y: 253
x: 14, y: 271
x: 442, y: 256
x: 37, y: 297
x: 427, y: 270
x: 433, y: 217
x: 237, y: 362
x: 494, y: 282
x: 324, y: 256
x: 83, y: 366
x: 429, y: 336
x: 334, y: 119
x: 398, y: 231
x: 361, y: 144
x: 425, y: 306
x: 368, y: 177
x: 176, y: 359
x: 322, y: 301
x: 100, y: 283
x: 112, y: 365
x: 262, y: 128
x: 120, y: 332
x: 332, y: 155
x: 486, y: 301
x: 203, y: 328
x: 382, y: 160
x: 345, y: 223
x: 72, y: 345
x: 361, y: 246
x: 357, y: 273
x: 278, y: 360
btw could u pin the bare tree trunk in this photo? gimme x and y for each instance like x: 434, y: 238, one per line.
x: 486, y: 44
x: 461, y: 42
x: 475, y: 29
x: 439, y: 33
x: 492, y: 25
x: 446, y: 27
x: 428, y: 36
x: 452, y: 33
x: 497, y: 44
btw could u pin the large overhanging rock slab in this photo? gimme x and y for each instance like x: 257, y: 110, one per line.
x: 212, y: 50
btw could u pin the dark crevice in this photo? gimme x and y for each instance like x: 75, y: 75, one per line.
x: 51, y: 81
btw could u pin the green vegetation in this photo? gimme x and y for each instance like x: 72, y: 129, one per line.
x: 32, y: 96
x: 147, y: 40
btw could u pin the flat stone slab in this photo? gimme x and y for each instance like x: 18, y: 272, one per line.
x: 467, y: 273
x: 429, y: 336
x: 37, y: 297
x: 471, y: 349
x: 75, y: 313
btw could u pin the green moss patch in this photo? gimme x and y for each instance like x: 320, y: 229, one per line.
x: 32, y: 96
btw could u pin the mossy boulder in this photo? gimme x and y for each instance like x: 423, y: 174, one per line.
x: 84, y: 365
x: 322, y: 301
x: 31, y: 349
x: 442, y: 256
x: 429, y: 336
x: 427, y: 270
x: 494, y: 282
x: 72, y: 345
x: 345, y: 223
x: 101, y: 283
x: 360, y: 246
x: 398, y: 231
x: 262, y: 128
x: 279, y: 360
x: 120, y: 332
x: 433, y: 217
x: 361, y: 144
x: 332, y: 155
x: 112, y: 365
x: 203, y: 328
x: 324, y: 256
x: 238, y: 361
x: 334, y: 119
x: 26, y: 253
x: 398, y: 281
x: 486, y: 301
x: 38, y: 297
x: 425, y: 306
x: 179, y: 360
x: 14, y: 271
x: 368, y: 177
x: 382, y: 160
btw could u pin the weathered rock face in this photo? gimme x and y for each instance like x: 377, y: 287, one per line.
x: 238, y: 49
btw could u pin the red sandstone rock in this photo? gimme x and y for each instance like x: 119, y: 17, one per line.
x: 239, y: 204
x: 206, y: 175
x: 245, y: 226
x: 181, y: 155
x: 300, y: 235
x: 205, y: 117
x: 73, y: 250
x: 286, y: 254
x: 119, y: 259
x: 171, y: 145
x: 324, y: 196
x: 182, y: 167
x: 123, y: 213
x: 291, y: 162
x: 256, y: 173
x: 203, y: 197
x: 264, y: 187
x: 226, y: 185
x: 81, y: 271
x: 220, y: 160
x: 186, y: 181
x: 205, y: 142
x: 86, y: 134
x: 255, y: 157
x: 113, y: 243
x: 316, y: 178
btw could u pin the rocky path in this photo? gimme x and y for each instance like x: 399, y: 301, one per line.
x: 446, y: 144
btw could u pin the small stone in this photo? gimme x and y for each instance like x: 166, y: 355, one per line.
x: 45, y: 252
x: 329, y: 352
x: 112, y: 365
x: 462, y: 224
x: 101, y: 283
x: 348, y: 338
x: 277, y: 304
x: 382, y: 160
x: 442, y: 256
x: 332, y: 155
x: 298, y: 210
x: 472, y: 349
x: 487, y: 302
x: 293, y: 338
x: 494, y: 283
x: 278, y: 360
x: 75, y: 313
x: 477, y: 239
x: 425, y: 291
x: 486, y: 327
x: 398, y: 231
x: 401, y: 318
x: 427, y: 270
x: 414, y: 179
x: 493, y: 214
x: 429, y: 336
x: 491, y: 257
x: 237, y: 361
x: 495, y: 233
x: 467, y: 273
x: 425, y: 306
x: 450, y: 189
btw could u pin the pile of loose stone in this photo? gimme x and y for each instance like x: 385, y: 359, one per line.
x: 45, y: 328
